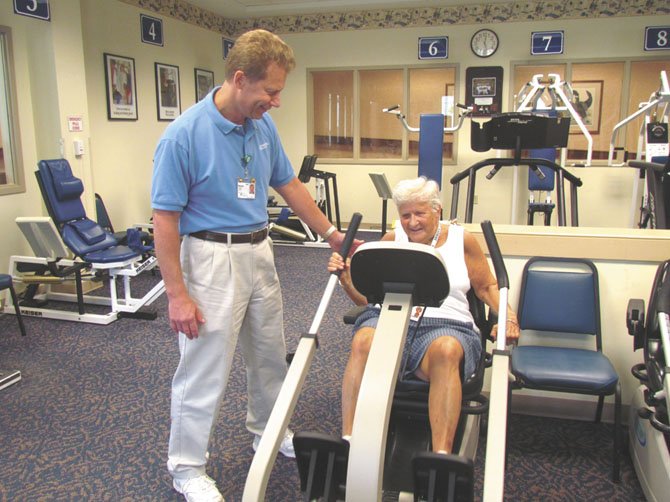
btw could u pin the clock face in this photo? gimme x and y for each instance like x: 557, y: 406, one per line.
x: 484, y: 43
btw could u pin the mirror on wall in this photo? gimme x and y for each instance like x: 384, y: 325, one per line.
x: 603, y: 94
x: 11, y: 172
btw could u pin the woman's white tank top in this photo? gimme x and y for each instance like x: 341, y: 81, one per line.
x: 453, y: 253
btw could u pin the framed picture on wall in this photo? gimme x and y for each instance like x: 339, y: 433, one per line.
x: 587, y: 102
x: 120, y: 86
x: 204, y: 82
x: 167, y: 91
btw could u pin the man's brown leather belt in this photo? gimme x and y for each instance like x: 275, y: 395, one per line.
x: 252, y: 238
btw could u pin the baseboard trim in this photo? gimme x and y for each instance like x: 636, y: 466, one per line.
x: 572, y: 409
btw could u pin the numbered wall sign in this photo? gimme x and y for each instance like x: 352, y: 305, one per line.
x: 543, y: 43
x: 656, y: 38
x: 33, y: 8
x: 152, y: 30
x: 433, y: 47
x: 227, y: 45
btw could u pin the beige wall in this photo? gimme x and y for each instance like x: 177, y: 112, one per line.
x: 604, y: 38
x: 59, y: 72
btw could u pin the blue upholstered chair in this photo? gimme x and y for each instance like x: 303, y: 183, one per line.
x: 561, y: 296
x: 6, y: 283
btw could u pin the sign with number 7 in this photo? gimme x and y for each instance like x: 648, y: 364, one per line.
x: 546, y: 42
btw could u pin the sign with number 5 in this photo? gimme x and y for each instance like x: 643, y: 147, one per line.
x: 33, y: 8
x: 656, y: 38
x: 433, y: 47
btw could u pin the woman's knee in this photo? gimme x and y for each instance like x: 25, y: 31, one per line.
x: 446, y: 350
x: 362, y: 341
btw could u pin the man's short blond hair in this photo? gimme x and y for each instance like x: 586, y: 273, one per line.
x: 253, y: 52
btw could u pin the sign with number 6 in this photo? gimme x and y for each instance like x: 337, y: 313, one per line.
x: 433, y: 47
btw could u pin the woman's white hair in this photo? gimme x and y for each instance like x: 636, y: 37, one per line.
x: 417, y: 190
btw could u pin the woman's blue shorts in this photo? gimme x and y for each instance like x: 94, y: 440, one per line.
x: 431, y: 328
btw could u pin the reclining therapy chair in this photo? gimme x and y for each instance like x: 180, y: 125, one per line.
x: 88, y: 250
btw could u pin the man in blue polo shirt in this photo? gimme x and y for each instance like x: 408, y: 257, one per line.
x: 213, y: 167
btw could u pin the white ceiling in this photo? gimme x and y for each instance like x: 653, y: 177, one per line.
x: 267, y: 8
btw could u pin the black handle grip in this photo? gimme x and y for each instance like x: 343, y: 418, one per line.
x: 496, y: 255
x: 537, y: 171
x: 349, y: 236
x: 493, y: 171
x: 391, y: 108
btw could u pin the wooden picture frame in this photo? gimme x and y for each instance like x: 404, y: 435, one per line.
x: 120, y: 87
x: 167, y: 91
x: 204, y: 82
x: 588, y: 103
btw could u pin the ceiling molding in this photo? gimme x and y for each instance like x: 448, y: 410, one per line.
x: 515, y: 11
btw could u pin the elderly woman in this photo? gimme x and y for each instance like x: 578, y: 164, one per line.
x: 446, y: 340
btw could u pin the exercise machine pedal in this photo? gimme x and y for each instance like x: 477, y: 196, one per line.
x: 9, y: 377
x: 322, y: 465
x: 441, y: 478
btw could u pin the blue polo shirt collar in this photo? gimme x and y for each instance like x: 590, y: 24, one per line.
x: 222, y: 123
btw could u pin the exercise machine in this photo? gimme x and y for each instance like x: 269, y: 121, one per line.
x: 652, y: 143
x: 268, y: 446
x: 431, y: 137
x: 286, y: 225
x: 655, y: 208
x: 554, y: 96
x: 398, y: 276
x: 385, y: 193
x: 72, y: 249
x: 655, y: 113
x: 519, y: 131
x: 648, y: 423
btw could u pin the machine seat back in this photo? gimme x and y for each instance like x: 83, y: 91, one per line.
x: 62, y: 192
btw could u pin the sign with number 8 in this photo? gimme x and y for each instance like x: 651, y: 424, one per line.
x: 656, y: 38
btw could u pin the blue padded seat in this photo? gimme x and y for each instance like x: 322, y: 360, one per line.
x: 565, y: 369
x: 5, y: 281
x: 88, y: 240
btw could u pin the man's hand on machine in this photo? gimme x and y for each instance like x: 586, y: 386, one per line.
x: 185, y: 316
x: 335, y: 242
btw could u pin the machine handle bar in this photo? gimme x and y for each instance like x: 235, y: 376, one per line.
x: 349, y: 237
x: 663, y: 298
x: 496, y: 255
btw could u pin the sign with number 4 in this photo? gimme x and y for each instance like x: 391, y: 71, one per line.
x: 152, y: 30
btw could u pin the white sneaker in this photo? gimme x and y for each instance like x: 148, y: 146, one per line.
x: 198, y: 489
x: 286, y: 447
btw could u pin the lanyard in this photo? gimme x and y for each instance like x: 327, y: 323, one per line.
x: 437, y: 235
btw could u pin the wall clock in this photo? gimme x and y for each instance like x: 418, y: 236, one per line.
x: 484, y: 43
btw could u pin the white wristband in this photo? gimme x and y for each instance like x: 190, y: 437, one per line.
x: 328, y: 232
